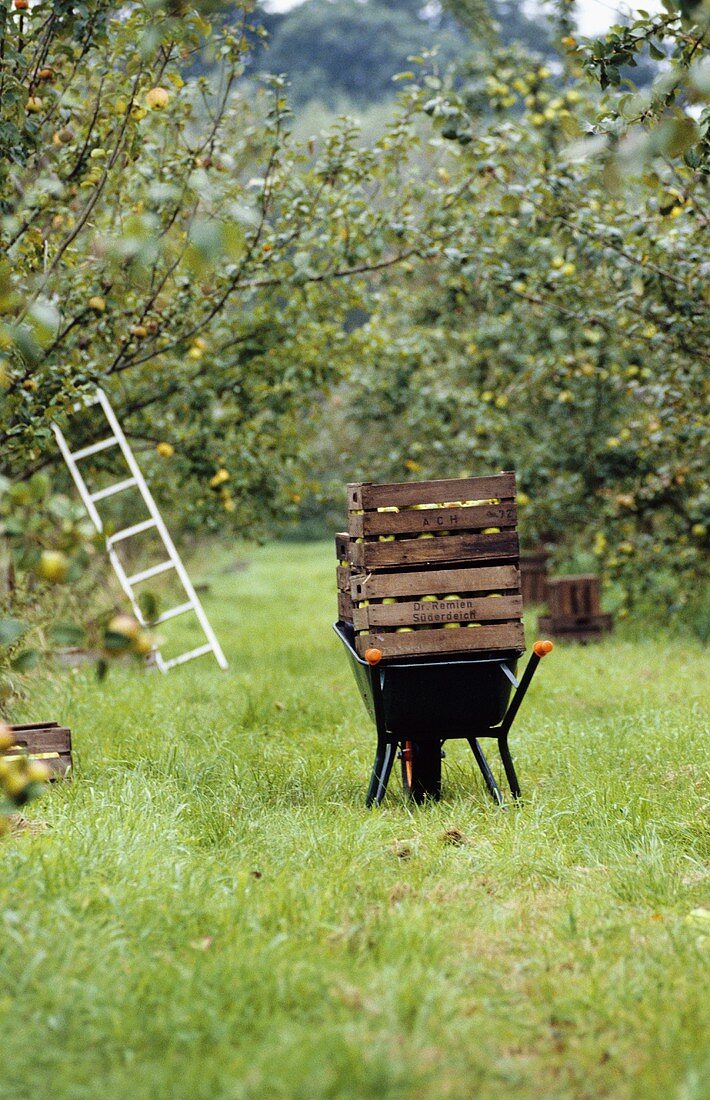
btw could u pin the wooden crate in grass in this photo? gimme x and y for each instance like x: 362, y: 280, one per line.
x: 47, y: 741
x: 574, y: 604
x: 435, y: 567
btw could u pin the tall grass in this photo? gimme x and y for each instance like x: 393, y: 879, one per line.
x: 211, y: 912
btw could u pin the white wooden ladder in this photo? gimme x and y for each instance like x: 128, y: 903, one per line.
x: 172, y: 560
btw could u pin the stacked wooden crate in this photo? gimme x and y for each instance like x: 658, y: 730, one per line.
x: 574, y: 605
x: 433, y: 567
x: 533, y: 576
x: 343, y: 574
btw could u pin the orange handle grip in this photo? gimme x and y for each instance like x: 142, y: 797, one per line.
x: 541, y: 649
x: 373, y: 656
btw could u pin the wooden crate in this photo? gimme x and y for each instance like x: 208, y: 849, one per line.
x: 574, y: 605
x: 343, y: 575
x: 412, y: 545
x: 47, y: 741
x: 533, y: 576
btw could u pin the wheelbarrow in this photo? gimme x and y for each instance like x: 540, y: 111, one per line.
x: 419, y: 703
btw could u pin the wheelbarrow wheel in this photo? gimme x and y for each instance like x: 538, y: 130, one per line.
x: 421, y: 770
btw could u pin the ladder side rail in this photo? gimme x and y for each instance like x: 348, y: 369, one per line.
x: 162, y: 530
x: 78, y: 479
x: 125, y: 585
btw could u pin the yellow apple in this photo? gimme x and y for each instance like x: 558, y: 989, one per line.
x: 53, y: 566
x: 157, y: 99
x: 125, y: 625
x: 143, y: 644
x: 7, y: 737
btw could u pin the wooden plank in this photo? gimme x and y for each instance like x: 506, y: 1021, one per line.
x: 572, y: 624
x: 402, y: 494
x: 427, y: 643
x: 36, y: 726
x: 47, y: 739
x: 414, y: 521
x: 342, y: 542
x: 343, y: 578
x: 474, y: 547
x: 418, y: 613
x: 484, y: 578
x: 345, y: 607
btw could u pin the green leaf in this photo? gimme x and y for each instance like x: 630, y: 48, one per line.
x: 11, y: 630
x: 66, y: 634
x: 26, y: 660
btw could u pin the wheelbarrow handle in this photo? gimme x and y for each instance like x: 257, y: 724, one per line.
x: 540, y: 650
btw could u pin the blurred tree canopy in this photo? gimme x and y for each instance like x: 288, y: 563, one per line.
x: 162, y: 235
x: 565, y: 332
x: 513, y: 275
x: 346, y: 51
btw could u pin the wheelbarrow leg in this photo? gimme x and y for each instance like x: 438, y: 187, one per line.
x: 490, y: 780
x: 384, y: 759
x: 509, y: 768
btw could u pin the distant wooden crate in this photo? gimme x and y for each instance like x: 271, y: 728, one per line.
x: 533, y: 576
x: 47, y: 741
x: 574, y: 605
x: 434, y: 566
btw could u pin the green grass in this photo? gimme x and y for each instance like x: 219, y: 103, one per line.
x: 211, y: 912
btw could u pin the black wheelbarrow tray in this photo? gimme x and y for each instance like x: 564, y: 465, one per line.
x: 418, y: 703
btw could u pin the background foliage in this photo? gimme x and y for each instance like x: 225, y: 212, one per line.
x: 511, y: 274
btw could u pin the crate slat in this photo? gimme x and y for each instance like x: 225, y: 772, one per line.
x: 415, y: 521
x: 407, y: 552
x: 343, y: 577
x: 342, y: 542
x: 42, y: 739
x: 345, y: 607
x: 425, y: 643
x: 35, y: 726
x: 486, y: 578
x: 416, y: 613
x: 400, y: 494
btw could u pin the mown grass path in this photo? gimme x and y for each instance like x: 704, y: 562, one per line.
x: 212, y: 912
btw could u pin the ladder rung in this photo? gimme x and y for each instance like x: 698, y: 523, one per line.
x: 117, y: 488
x: 134, y: 530
x: 173, y: 613
x: 152, y: 572
x: 199, y: 652
x: 87, y: 402
x: 94, y: 448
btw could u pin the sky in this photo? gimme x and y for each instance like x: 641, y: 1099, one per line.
x: 594, y: 15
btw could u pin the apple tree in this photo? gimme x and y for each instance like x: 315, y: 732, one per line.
x: 564, y: 329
